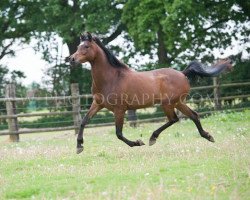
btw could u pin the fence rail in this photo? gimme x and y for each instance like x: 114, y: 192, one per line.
x: 49, y: 98
x: 12, y: 116
x: 221, y: 85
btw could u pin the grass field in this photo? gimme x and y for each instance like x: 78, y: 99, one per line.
x: 181, y: 165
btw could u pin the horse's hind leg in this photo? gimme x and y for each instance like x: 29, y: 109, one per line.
x: 172, y: 118
x: 195, y: 118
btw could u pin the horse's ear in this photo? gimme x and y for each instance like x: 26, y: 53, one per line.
x: 86, y: 36
x: 81, y: 36
x: 89, y: 36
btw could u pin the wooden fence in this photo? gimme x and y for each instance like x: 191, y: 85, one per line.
x: 12, y: 116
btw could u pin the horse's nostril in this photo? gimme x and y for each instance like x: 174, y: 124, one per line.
x: 72, y: 61
x: 67, y: 59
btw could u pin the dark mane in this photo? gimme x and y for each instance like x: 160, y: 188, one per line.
x: 110, y: 56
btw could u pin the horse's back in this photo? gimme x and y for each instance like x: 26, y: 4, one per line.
x: 172, y: 82
x: 172, y: 77
x: 160, y: 83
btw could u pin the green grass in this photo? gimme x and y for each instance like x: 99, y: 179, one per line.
x: 181, y: 165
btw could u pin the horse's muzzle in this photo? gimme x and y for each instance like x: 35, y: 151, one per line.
x: 71, y: 60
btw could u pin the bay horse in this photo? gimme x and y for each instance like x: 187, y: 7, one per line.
x: 118, y: 88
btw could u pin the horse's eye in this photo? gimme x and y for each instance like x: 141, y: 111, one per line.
x: 86, y: 47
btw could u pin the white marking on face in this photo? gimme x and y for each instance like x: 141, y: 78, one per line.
x: 82, y: 43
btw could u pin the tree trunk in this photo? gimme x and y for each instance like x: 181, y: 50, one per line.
x: 162, y: 50
x: 75, y: 71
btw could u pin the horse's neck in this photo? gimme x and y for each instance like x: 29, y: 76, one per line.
x: 102, y: 72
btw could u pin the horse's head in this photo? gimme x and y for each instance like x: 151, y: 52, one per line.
x: 86, y: 50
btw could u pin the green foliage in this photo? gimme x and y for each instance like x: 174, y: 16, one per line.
x: 17, y: 22
x: 188, y: 27
x: 67, y: 19
x: 143, y: 19
x: 70, y: 18
x: 63, y: 121
x: 46, y: 20
x: 48, y: 122
x: 241, y: 72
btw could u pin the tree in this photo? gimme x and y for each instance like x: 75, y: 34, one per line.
x: 143, y: 20
x: 67, y: 19
x: 181, y: 29
x: 16, y: 24
x: 47, y: 20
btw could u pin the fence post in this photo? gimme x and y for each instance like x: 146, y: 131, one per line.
x: 76, y: 105
x: 217, y: 102
x: 10, y: 92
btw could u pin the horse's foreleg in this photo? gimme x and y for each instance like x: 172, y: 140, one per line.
x: 172, y: 118
x: 195, y: 118
x: 119, y: 120
x: 94, y: 108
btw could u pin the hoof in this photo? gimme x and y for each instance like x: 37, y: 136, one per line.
x: 152, y: 141
x: 79, y: 150
x: 139, y: 143
x: 210, y: 138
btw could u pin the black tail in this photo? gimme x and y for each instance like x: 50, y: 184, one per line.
x: 197, y: 69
